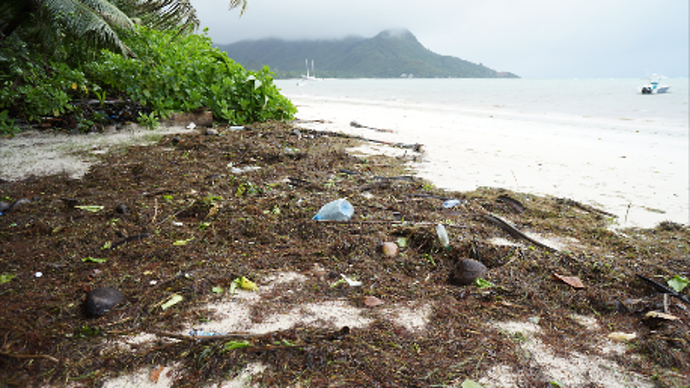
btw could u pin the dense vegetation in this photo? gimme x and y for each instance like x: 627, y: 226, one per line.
x: 390, y: 54
x: 55, y: 56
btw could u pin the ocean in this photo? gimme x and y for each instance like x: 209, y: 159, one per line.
x: 598, y: 141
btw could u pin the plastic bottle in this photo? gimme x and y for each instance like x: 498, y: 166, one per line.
x: 451, y: 203
x: 442, y: 235
x: 338, y: 210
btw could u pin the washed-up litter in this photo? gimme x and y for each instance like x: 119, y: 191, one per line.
x: 339, y: 210
x: 442, y: 235
x: 191, y: 125
x: 242, y: 170
x: 451, y: 203
x: 6, y: 207
x: 345, y: 279
x: 203, y: 333
x: 236, y: 127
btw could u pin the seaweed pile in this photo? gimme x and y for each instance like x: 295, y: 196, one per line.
x: 193, y: 213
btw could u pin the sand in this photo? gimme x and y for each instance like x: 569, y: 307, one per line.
x: 624, y: 167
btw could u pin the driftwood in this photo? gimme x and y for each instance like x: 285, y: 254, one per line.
x: 665, y: 290
x: 584, y: 207
x: 415, y: 147
x: 515, y: 232
x: 358, y: 125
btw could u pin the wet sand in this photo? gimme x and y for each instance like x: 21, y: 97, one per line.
x: 621, y: 166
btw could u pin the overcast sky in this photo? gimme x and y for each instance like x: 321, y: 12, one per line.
x: 531, y: 38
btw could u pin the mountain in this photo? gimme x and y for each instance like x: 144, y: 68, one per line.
x: 390, y: 54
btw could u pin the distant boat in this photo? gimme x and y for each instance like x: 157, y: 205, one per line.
x: 653, y: 87
x: 306, y: 78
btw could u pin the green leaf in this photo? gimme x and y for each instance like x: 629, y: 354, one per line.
x: 401, y: 241
x: 482, y: 284
x: 678, y: 283
x: 6, y: 278
x: 556, y: 383
x: 183, y: 242
x: 93, y: 260
x: 470, y: 384
x: 91, y: 208
x: 236, y: 345
x: 217, y: 289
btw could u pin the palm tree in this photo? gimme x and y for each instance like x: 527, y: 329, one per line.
x: 46, y: 21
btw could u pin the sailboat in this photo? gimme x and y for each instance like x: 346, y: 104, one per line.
x: 308, y: 77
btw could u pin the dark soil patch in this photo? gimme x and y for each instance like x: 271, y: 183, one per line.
x: 254, y: 222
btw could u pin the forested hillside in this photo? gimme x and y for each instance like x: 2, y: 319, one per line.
x: 390, y: 54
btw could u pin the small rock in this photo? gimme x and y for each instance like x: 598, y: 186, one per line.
x: 101, y: 300
x: 211, y: 132
x: 466, y: 271
x: 121, y: 208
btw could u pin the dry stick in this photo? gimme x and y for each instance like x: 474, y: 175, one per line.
x: 47, y: 357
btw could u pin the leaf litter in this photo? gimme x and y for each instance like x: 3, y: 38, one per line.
x: 301, y: 330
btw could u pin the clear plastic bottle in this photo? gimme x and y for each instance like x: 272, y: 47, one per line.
x: 442, y: 235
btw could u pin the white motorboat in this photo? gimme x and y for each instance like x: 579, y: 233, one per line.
x: 654, y: 86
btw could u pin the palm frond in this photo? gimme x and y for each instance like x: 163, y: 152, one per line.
x: 81, y: 20
x: 236, y: 3
x: 177, y: 15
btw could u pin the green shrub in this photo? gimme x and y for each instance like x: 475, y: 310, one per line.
x: 32, y: 86
x: 183, y: 73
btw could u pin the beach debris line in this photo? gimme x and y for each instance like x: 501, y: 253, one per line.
x: 416, y: 147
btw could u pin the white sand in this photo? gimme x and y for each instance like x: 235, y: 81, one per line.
x: 621, y: 166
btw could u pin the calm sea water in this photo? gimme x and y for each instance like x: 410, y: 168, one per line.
x: 595, y: 98
x: 597, y: 140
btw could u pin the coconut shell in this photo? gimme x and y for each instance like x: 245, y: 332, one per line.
x: 466, y: 271
x: 101, y: 300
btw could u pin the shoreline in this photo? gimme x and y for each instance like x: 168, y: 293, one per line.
x: 627, y: 171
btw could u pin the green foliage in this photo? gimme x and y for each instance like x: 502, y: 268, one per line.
x: 186, y: 73
x: 149, y: 120
x: 7, y: 126
x: 32, y: 87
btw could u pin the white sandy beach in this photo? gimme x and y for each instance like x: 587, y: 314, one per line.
x: 639, y: 174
